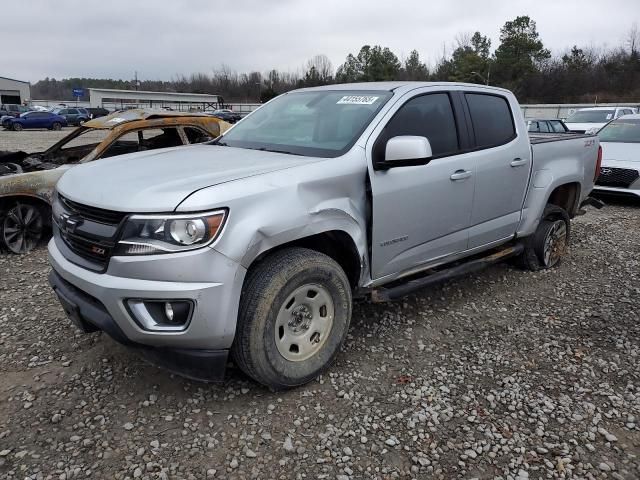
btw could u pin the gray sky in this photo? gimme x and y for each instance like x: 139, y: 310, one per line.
x: 162, y: 38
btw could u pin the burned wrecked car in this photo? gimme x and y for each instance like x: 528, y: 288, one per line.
x: 27, y: 180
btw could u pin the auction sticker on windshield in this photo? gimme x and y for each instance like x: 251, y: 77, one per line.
x: 357, y: 100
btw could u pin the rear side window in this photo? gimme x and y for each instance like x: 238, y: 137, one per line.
x: 428, y: 116
x: 557, y: 127
x: 491, y: 119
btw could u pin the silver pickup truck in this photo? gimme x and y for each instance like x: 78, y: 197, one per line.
x: 255, y: 244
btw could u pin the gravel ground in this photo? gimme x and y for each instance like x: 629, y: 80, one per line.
x: 504, y: 374
x: 31, y: 141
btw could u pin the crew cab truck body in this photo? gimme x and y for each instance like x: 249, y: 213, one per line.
x: 256, y: 243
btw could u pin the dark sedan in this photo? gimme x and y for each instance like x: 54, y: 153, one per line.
x: 226, y: 115
x: 47, y: 120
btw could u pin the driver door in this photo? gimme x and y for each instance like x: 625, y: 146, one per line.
x: 421, y: 213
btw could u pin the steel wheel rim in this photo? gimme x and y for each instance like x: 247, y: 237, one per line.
x: 22, y: 228
x: 304, y: 322
x: 555, y: 243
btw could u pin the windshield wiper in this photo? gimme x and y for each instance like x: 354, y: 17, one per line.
x: 217, y: 142
x: 264, y: 149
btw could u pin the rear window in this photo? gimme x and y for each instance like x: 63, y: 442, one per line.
x: 491, y: 118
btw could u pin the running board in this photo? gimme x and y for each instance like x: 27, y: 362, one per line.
x: 383, y: 294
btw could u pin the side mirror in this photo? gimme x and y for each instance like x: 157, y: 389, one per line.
x: 407, y: 147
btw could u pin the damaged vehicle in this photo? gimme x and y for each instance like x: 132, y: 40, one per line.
x: 27, y: 180
x: 255, y: 244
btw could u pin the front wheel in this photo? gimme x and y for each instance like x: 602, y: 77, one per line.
x: 17, y: 127
x: 21, y: 228
x: 546, y: 247
x: 294, y: 316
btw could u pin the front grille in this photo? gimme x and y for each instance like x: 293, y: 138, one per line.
x: 617, y: 177
x: 88, y: 233
x: 95, y: 252
x: 94, y: 214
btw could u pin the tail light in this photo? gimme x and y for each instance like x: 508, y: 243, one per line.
x: 598, y: 164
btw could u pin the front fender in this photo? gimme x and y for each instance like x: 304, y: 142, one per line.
x: 270, y: 210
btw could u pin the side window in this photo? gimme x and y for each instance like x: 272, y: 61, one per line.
x: 556, y: 127
x: 428, y: 116
x: 195, y: 135
x: 160, y: 138
x: 127, y: 143
x: 72, y: 111
x: 64, y: 111
x: 533, y: 127
x: 491, y: 119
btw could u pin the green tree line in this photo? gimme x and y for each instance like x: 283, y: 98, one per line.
x: 520, y: 62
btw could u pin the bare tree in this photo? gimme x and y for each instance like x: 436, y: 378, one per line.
x: 320, y: 68
x: 632, y: 39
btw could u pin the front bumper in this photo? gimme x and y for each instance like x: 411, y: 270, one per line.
x: 101, y: 298
x: 625, y: 176
x: 620, y: 191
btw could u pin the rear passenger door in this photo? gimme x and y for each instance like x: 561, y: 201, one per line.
x: 503, y: 164
x: 421, y: 212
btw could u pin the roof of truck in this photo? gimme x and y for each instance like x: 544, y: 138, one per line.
x: 391, y: 86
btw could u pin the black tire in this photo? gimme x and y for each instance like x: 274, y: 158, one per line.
x: 56, y: 126
x: 260, y: 345
x: 17, y: 127
x: 555, y: 222
x: 21, y: 227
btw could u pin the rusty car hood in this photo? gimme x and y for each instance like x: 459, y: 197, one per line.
x: 159, y: 180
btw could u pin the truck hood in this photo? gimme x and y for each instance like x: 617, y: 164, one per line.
x: 622, y: 152
x: 158, y: 181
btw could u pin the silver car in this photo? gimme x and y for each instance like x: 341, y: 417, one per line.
x: 620, y: 170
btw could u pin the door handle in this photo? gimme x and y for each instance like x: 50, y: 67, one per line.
x: 518, y: 162
x: 460, y: 175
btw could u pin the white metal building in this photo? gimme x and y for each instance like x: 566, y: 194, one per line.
x: 118, y: 99
x: 14, y: 91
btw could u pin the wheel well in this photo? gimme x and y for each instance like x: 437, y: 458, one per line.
x: 336, y: 244
x: 566, y: 196
x: 45, y: 208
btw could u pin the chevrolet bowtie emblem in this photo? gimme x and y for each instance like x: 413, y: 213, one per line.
x: 69, y: 223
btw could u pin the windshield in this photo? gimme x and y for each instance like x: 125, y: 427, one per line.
x: 591, y: 116
x: 321, y: 123
x: 622, y: 131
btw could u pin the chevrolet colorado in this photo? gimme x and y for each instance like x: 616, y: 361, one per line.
x: 255, y: 243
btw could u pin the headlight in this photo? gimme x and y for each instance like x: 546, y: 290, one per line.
x: 151, y: 234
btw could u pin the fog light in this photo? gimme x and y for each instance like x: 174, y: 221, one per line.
x: 161, y: 315
x: 168, y: 311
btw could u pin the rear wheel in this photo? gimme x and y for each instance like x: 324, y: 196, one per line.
x: 294, y: 316
x: 546, y: 247
x: 56, y: 126
x: 17, y: 127
x: 22, y: 228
